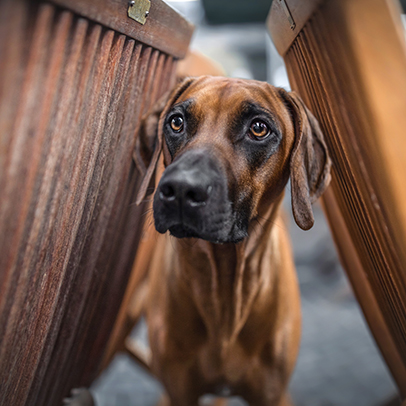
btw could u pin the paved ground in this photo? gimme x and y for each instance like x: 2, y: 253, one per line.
x: 338, y: 364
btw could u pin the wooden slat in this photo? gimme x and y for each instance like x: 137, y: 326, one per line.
x: 361, y: 285
x: 164, y: 29
x: 348, y: 63
x: 71, y: 96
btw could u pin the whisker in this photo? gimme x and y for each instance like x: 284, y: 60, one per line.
x: 142, y: 201
x: 270, y: 221
x: 147, y: 212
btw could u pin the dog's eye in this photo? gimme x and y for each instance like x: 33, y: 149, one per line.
x: 259, y: 129
x: 177, y: 123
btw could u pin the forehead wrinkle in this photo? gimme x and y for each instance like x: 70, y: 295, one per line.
x: 229, y: 103
x: 216, y: 106
x: 250, y: 107
x: 187, y: 104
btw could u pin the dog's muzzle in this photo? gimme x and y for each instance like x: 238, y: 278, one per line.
x: 192, y: 199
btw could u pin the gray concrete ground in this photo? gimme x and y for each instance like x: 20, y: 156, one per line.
x: 339, y: 364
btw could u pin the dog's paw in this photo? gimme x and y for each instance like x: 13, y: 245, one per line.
x: 79, y: 397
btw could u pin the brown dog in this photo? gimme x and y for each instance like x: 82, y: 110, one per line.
x: 223, y: 307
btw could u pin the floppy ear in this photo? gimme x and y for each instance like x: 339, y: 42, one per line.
x: 148, y: 145
x: 309, y: 163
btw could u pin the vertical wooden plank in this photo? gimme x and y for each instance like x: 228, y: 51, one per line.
x: 13, y: 17
x: 20, y: 325
x: 17, y: 159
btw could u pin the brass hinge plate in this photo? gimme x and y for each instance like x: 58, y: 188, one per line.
x: 138, y: 10
x: 288, y: 14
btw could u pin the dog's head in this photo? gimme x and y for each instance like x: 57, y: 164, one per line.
x: 229, y: 147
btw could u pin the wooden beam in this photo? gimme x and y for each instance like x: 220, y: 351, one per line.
x: 164, y: 29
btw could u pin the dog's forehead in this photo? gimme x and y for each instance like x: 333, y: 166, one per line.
x: 228, y: 94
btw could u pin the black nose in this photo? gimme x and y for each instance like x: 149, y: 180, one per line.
x: 186, y: 188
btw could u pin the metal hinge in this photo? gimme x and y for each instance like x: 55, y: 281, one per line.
x: 138, y: 10
x: 288, y: 15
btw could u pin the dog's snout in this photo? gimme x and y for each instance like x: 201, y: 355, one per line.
x: 191, y: 199
x: 185, y: 188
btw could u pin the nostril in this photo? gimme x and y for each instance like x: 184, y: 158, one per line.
x: 198, y: 196
x: 167, y: 192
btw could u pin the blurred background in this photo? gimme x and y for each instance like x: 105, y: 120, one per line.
x: 339, y: 363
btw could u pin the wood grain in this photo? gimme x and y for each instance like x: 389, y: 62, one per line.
x: 360, y: 284
x: 71, y: 96
x: 164, y: 29
x: 348, y: 63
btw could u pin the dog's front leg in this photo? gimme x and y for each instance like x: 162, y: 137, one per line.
x: 187, y: 398
x: 286, y: 401
x: 182, y: 400
x: 181, y: 384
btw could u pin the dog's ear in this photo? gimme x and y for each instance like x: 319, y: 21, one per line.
x: 148, y: 145
x: 309, y: 163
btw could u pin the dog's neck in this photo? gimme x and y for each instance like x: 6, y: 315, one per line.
x: 224, y: 280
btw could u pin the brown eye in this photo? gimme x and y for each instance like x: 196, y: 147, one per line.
x: 259, y: 129
x: 177, y: 124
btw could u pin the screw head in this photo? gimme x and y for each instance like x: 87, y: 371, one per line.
x: 131, y: 3
x: 146, y: 14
